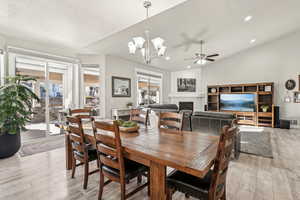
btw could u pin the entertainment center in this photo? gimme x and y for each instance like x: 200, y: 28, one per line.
x: 251, y: 103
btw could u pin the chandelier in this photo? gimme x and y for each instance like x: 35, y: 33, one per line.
x: 144, y: 44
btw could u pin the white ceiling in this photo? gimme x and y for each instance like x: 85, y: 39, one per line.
x: 105, y: 27
x: 219, y: 22
x: 72, y: 23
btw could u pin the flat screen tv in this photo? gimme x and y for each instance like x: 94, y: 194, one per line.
x: 237, y: 102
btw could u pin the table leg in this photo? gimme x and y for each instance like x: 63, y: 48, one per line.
x: 68, y: 149
x: 157, y: 181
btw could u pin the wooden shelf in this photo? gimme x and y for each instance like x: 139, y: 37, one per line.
x: 248, y: 118
x: 264, y: 114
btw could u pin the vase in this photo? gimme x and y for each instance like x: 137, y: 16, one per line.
x: 9, y: 144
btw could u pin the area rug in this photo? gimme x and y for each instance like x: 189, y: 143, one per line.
x: 256, y: 141
x: 42, y: 145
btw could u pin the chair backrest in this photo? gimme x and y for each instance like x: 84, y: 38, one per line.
x: 76, y: 135
x: 140, y: 116
x: 109, y: 147
x: 82, y: 113
x: 170, y: 120
x: 225, y: 147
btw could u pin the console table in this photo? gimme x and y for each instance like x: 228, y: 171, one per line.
x: 120, y: 113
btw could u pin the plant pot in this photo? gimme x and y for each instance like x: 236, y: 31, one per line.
x: 9, y: 144
x: 265, y: 110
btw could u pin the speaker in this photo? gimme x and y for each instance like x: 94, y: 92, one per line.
x: 276, y: 117
x: 285, y: 124
x: 205, y: 108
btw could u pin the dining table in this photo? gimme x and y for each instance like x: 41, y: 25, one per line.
x: 157, y: 148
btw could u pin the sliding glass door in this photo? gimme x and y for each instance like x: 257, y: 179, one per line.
x: 51, y: 87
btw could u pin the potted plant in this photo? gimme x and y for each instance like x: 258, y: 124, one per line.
x: 265, y: 108
x: 16, y: 102
x: 129, y: 105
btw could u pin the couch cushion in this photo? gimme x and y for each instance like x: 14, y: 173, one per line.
x: 163, y: 106
x: 219, y: 115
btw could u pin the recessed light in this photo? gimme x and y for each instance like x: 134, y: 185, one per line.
x: 248, y: 18
x: 252, y: 41
x: 189, y: 66
x: 168, y: 58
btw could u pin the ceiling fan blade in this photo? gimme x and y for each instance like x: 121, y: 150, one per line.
x: 212, y: 60
x: 212, y: 55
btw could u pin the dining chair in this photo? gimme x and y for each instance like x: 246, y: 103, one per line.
x: 81, y: 112
x: 213, y: 185
x: 112, y: 163
x: 81, y: 150
x: 140, y: 116
x: 170, y: 120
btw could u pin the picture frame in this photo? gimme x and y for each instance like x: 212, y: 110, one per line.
x: 299, y: 82
x: 186, y: 85
x: 121, y: 87
x: 297, y: 97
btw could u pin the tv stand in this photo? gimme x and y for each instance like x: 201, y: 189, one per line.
x: 264, y: 98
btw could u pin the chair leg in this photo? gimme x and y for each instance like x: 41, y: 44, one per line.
x: 101, y: 185
x: 148, y: 180
x: 73, y: 167
x: 139, y: 179
x: 169, y: 194
x: 224, y: 194
x: 86, y: 174
x: 123, y: 190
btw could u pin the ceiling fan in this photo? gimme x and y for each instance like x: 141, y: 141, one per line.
x: 201, y: 58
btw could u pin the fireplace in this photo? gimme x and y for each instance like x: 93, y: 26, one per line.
x: 186, y: 105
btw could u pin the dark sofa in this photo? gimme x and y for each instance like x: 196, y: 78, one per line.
x: 212, y: 123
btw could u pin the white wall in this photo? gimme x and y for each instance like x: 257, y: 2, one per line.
x: 196, y: 97
x: 116, y: 66
x: 276, y: 62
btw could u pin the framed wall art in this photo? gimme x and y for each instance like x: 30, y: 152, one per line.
x: 121, y: 87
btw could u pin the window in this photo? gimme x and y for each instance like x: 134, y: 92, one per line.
x: 1, y: 67
x: 149, y: 87
x: 91, y: 82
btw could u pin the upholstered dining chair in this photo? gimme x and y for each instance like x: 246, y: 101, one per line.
x: 213, y: 185
x: 170, y: 120
x: 140, y: 116
x: 81, y: 150
x: 113, y: 165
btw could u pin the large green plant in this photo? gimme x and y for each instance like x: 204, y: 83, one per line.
x: 16, y: 102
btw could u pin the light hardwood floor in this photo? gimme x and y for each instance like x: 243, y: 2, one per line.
x: 43, y: 176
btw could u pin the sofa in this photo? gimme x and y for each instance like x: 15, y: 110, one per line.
x: 212, y: 123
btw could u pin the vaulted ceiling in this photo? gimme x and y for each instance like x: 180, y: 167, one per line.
x: 105, y: 27
x: 72, y: 23
x: 219, y: 22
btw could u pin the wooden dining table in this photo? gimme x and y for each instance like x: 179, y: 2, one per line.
x: 190, y: 152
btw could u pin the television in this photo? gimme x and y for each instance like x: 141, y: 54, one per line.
x: 238, y: 102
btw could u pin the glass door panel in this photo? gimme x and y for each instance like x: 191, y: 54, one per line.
x: 143, y: 90
x: 37, y: 126
x: 56, y: 92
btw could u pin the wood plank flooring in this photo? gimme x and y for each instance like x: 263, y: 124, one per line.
x: 43, y: 176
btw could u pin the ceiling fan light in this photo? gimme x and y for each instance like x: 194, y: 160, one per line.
x: 131, y: 47
x: 158, y: 43
x: 201, y: 62
x: 139, y: 42
x: 162, y: 51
